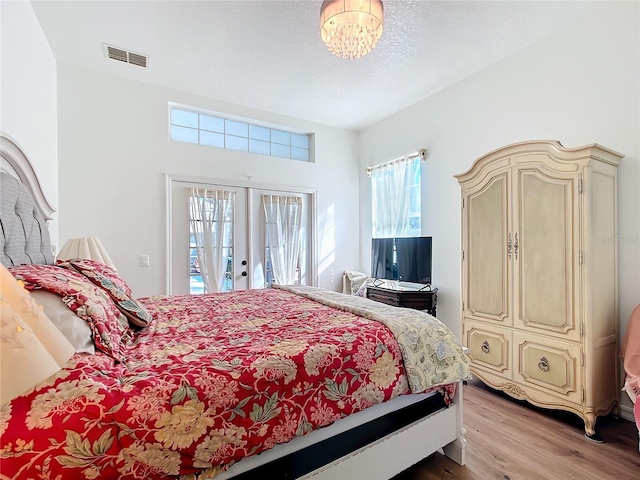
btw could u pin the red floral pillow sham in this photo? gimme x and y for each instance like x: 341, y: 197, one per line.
x: 86, y: 300
x: 98, y: 267
x: 107, y: 278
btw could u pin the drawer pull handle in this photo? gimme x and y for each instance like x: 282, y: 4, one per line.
x: 485, y: 347
x: 543, y: 364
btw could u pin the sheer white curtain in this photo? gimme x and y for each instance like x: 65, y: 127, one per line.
x: 391, y: 195
x: 211, y: 229
x: 283, y: 216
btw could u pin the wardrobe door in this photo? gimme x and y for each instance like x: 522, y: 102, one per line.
x: 486, y: 264
x: 546, y: 257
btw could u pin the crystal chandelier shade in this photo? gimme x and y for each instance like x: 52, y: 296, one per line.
x: 351, y: 28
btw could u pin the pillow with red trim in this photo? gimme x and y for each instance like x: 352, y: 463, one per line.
x: 107, y: 278
x: 98, y: 267
x: 85, y: 299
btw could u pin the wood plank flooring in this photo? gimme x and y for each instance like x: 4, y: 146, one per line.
x: 512, y: 440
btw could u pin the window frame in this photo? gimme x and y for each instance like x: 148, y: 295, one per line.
x: 309, y: 269
x: 291, y: 150
x: 416, y: 182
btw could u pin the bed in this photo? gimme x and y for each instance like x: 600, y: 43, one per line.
x: 288, y: 382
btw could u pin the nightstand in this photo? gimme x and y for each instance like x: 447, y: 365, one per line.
x: 405, y: 297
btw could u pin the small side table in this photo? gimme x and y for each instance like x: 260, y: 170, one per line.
x: 416, y: 299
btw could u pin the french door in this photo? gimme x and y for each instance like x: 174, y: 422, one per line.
x: 247, y: 258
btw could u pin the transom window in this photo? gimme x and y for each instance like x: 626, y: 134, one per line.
x: 194, y: 127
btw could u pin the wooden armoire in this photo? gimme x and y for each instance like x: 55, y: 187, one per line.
x: 539, y: 275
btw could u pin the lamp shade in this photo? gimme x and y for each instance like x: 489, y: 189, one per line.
x: 351, y: 28
x: 86, y: 247
x: 31, y: 347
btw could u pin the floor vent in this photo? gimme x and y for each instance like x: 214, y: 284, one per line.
x: 125, y: 56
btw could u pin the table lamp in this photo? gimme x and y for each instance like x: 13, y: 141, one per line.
x: 86, y: 247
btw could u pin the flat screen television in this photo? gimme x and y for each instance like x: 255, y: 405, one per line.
x: 404, y: 259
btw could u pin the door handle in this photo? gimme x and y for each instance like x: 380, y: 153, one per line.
x: 509, y: 246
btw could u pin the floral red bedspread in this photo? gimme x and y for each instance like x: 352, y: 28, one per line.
x: 211, y: 380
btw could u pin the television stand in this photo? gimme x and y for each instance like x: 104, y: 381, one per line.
x: 416, y: 299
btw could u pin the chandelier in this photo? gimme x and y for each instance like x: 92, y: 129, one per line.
x: 351, y: 28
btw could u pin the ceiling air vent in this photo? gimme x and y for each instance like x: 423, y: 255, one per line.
x: 125, y: 56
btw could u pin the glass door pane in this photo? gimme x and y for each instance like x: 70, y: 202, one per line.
x: 262, y: 271
x: 186, y: 236
x: 246, y: 250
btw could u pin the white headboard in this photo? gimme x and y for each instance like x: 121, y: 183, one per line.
x: 24, y: 210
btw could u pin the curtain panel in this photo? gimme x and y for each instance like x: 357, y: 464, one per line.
x: 391, y: 196
x: 211, y: 229
x: 283, y: 218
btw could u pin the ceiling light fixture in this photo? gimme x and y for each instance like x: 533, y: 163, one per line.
x: 351, y: 28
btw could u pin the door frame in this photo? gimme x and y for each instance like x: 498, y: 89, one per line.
x: 170, y: 179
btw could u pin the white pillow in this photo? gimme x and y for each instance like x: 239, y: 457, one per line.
x: 72, y: 327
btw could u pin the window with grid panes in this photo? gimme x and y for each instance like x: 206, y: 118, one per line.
x: 199, y: 128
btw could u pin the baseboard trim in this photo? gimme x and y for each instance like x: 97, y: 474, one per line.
x: 627, y: 413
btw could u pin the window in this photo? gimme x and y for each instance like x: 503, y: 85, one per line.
x: 396, y: 198
x: 283, y: 235
x: 211, y: 215
x: 415, y: 202
x: 196, y: 283
x: 194, y: 127
x: 269, y: 276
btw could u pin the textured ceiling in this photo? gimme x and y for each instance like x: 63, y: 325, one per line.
x: 269, y: 54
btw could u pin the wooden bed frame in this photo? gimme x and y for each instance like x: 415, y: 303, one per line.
x: 394, y: 450
x: 375, y: 449
x: 399, y: 450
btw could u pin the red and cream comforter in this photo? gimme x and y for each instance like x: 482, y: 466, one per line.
x: 211, y: 380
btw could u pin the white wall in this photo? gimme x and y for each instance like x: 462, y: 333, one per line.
x: 28, y: 104
x: 115, y: 149
x: 579, y: 86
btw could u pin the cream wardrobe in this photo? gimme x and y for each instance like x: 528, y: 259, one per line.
x: 539, y: 275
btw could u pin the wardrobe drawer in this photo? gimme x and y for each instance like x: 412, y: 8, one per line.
x: 489, y: 347
x: 553, y: 366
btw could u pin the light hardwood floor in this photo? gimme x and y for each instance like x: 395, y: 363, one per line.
x: 511, y: 440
